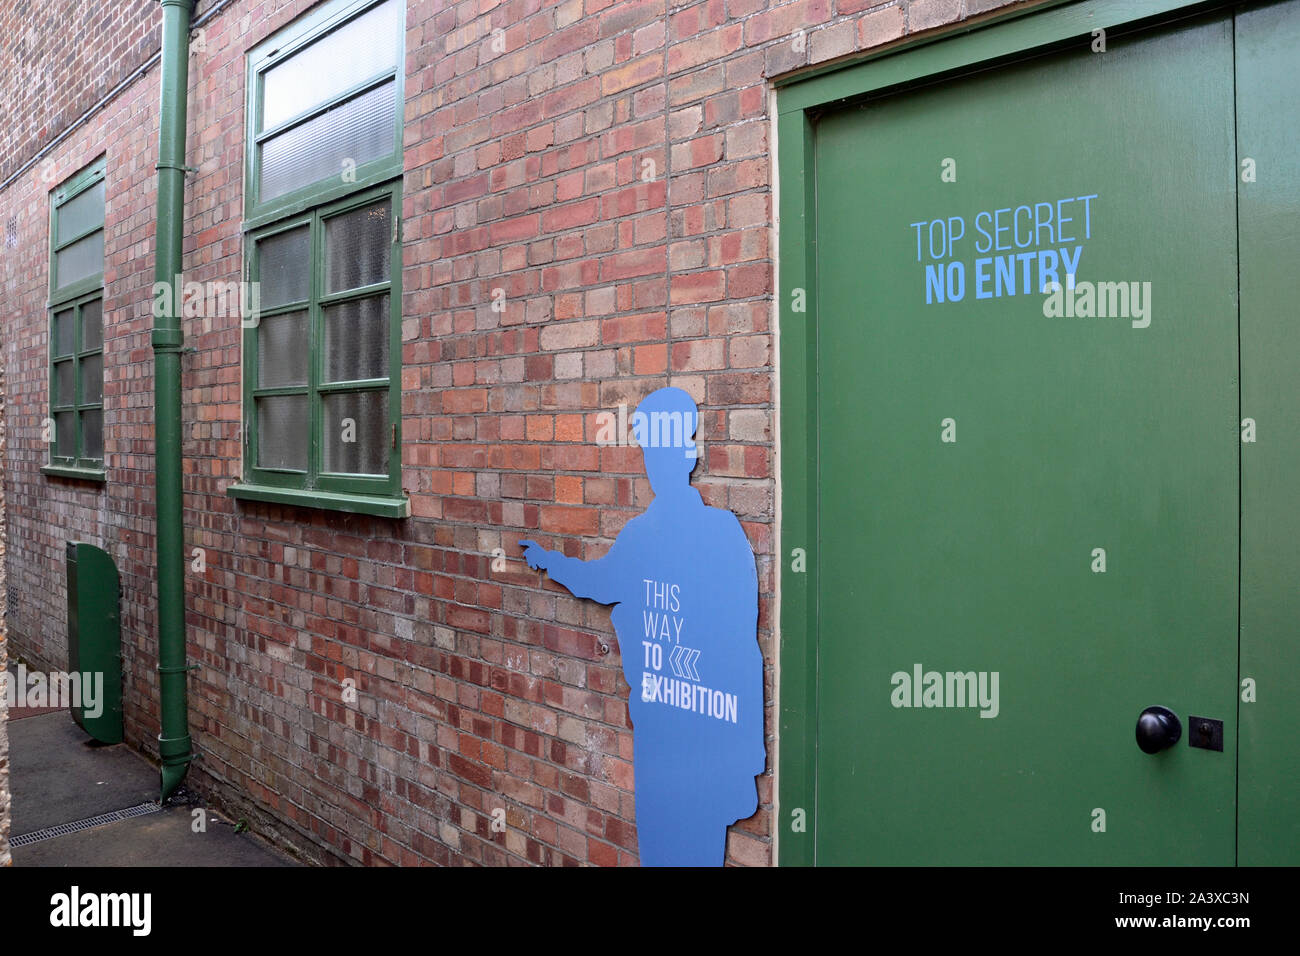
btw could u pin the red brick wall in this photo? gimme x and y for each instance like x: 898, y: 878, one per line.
x: 45, y: 512
x: 478, y: 689
x: 60, y: 57
x: 4, y: 654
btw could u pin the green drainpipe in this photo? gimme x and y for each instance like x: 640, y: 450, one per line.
x: 174, y: 746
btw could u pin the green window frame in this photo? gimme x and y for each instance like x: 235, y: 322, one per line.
x: 322, y: 247
x: 76, y: 312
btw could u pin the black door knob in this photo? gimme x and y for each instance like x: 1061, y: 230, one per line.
x: 1157, y: 729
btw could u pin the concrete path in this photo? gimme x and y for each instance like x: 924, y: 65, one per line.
x: 59, y: 776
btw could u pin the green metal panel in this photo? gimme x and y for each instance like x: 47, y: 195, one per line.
x: 95, y: 639
x: 797, y: 567
x: 1268, y: 91
x: 1072, y: 434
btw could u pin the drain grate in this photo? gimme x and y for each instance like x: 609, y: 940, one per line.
x: 90, y: 823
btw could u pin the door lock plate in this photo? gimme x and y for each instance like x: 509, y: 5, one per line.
x: 1205, y: 732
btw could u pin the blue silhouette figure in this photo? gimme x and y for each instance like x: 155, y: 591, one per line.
x: 683, y: 580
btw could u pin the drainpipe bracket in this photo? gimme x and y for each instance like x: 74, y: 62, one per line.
x: 177, y: 670
x: 167, y: 340
x: 175, y: 750
x: 185, y: 169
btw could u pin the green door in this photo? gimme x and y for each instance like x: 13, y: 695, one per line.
x: 1028, y: 513
x: 1268, y: 144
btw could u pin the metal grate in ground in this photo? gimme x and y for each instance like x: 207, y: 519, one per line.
x: 63, y: 829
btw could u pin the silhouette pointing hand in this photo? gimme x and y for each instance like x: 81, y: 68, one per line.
x: 536, y: 556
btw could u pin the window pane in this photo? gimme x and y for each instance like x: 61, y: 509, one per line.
x: 284, y: 267
x: 356, y: 339
x: 63, y: 394
x: 92, y: 379
x: 65, y: 435
x: 363, y: 48
x: 63, y: 333
x: 85, y: 211
x: 282, y: 350
x: 358, y: 131
x: 356, y: 432
x: 82, y: 259
x: 92, y: 325
x: 357, y: 247
x: 282, y: 428
x: 92, y: 433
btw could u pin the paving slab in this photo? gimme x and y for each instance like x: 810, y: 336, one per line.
x: 58, y: 774
x: 165, y: 838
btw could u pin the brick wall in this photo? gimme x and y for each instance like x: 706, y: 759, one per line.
x: 4, y: 658
x: 60, y: 58
x: 608, y: 166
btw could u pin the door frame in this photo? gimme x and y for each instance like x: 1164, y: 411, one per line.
x: 964, y: 48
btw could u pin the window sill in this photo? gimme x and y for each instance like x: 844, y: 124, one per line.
x: 330, y: 501
x: 70, y: 471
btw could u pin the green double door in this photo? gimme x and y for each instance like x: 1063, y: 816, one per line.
x: 1041, y: 514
